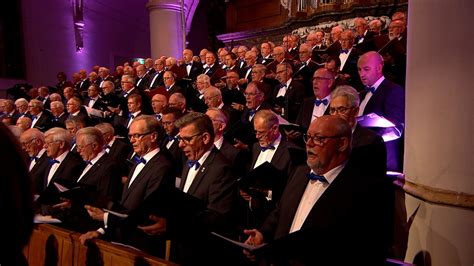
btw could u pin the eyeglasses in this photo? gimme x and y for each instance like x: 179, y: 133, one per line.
x: 27, y: 143
x: 122, y: 82
x: 166, y: 78
x: 210, y: 98
x: 339, y: 110
x: 138, y: 135
x: 51, y: 142
x: 318, y: 140
x: 187, y: 140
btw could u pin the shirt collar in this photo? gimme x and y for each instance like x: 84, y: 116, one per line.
x: 205, y: 155
x: 99, y: 155
x: 218, y: 143
x: 150, y: 155
x: 61, y: 157
x: 333, y: 173
x: 288, y: 82
x: 378, y: 82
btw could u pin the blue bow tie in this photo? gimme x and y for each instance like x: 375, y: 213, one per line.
x: 170, y: 138
x: 167, y: 88
x: 131, y: 116
x: 158, y: 117
x: 252, y: 112
x: 319, y: 102
x: 371, y: 89
x: 34, y: 117
x: 188, y: 64
x: 88, y: 162
x: 194, y: 163
x: 313, y: 176
x: 283, y: 86
x: 269, y: 147
x: 303, y: 64
x: 125, y: 95
x: 344, y: 51
x: 53, y: 161
x: 34, y: 158
x: 138, y: 160
x: 56, y: 119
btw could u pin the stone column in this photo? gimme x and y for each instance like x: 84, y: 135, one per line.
x: 166, y: 28
x: 439, y: 146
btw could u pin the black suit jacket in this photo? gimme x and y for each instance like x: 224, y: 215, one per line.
x: 215, y: 73
x: 387, y: 101
x: 306, y: 112
x: 368, y: 150
x: 305, y: 75
x: 44, y: 121
x: 177, y: 155
x: 158, y: 82
x: 38, y: 173
x: 350, y: 68
x: 142, y: 83
x: 69, y: 170
x: 59, y: 121
x: 196, y: 70
x: 83, y: 85
x: 354, y: 214
x: 293, y: 99
x: 106, y: 177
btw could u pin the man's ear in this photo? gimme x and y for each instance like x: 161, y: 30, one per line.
x: 344, y: 144
x: 206, y: 137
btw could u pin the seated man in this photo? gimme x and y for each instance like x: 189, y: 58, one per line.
x: 335, y: 213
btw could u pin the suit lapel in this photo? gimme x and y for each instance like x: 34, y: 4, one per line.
x: 93, y: 169
x: 201, y: 173
x: 295, y: 198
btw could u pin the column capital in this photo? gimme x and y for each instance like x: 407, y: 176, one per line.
x: 169, y: 5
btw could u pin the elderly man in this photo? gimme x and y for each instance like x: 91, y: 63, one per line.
x: 64, y: 166
x: 156, y: 79
x: 266, y: 51
x: 115, y: 147
x: 32, y: 141
x: 102, y: 171
x: 364, y: 40
x: 317, y: 105
x: 170, y: 142
x: 41, y: 119
x: 329, y: 203
x: 191, y: 68
x: 349, y: 56
x: 375, y: 26
x: 177, y: 100
x: 367, y: 147
x: 153, y: 170
x: 279, y: 56
x: 10, y: 111
x: 104, y: 75
x: 22, y: 107
x: 246, y: 72
x: 24, y: 123
x: 110, y: 100
x: 212, y: 69
x: 158, y: 103
x: 289, y: 94
x: 213, y: 99
x: 83, y: 83
x: 59, y: 115
x: 142, y: 78
x: 75, y: 109
x: 383, y: 98
x: 307, y: 67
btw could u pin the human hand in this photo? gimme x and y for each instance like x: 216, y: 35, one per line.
x: 88, y: 236
x: 158, y: 228
x: 240, y: 145
x: 66, y: 204
x: 255, y: 238
x: 95, y: 213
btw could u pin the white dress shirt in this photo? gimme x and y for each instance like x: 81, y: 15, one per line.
x: 319, y: 111
x: 267, y: 155
x: 33, y: 162
x: 343, y: 57
x: 193, y: 172
x: 55, y: 166
x: 314, y: 190
x: 140, y: 166
x: 369, y: 94
x: 89, y: 166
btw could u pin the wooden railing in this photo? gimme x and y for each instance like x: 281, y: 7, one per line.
x: 51, y: 245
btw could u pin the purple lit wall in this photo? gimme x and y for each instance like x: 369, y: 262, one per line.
x: 113, y: 29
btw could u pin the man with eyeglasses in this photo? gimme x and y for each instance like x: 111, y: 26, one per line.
x: 170, y: 142
x: 279, y: 56
x: 367, y: 147
x: 270, y: 147
x: 32, y: 141
x: 232, y: 94
x: 330, y: 206
x: 64, y: 166
x: 41, y: 118
x: 306, y: 69
x: 153, y: 170
x: 349, y: 56
x: 246, y: 72
x: 266, y: 50
x: 207, y: 176
x: 288, y: 95
x: 317, y: 105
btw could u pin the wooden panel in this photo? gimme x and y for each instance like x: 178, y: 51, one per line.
x: 254, y: 14
x: 62, y: 247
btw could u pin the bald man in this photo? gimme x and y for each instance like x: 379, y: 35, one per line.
x: 383, y: 98
x: 329, y: 206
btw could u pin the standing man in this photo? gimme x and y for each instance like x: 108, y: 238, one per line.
x: 32, y: 141
x: 383, y: 98
x: 330, y: 206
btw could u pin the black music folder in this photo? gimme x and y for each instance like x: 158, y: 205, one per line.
x: 261, y: 179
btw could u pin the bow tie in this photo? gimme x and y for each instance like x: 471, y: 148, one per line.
x: 34, y: 158
x: 344, y: 51
x: 303, y: 64
x: 53, y: 161
x: 283, y: 86
x: 92, y: 99
x: 170, y: 138
x: 269, y: 147
x: 131, y: 116
x: 56, y: 119
x: 34, y: 117
x: 125, y: 94
x: 158, y: 117
x: 371, y: 89
x: 194, y: 163
x: 320, y: 178
x: 188, y: 64
x: 252, y: 112
x: 138, y: 160
x: 107, y: 148
x: 319, y: 102
x: 88, y: 162
x: 167, y: 88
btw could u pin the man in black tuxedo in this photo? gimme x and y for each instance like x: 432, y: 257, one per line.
x: 41, y: 118
x: 212, y: 69
x: 231, y: 62
x: 349, y: 56
x: 368, y: 148
x: 271, y: 147
x: 153, y: 170
x: 233, y: 94
x: 304, y: 73
x: 104, y: 75
x: 32, y: 141
x: 383, y: 98
x: 75, y: 110
x: 156, y: 79
x: 330, y: 206
x: 190, y: 67
x: 364, y: 40
x: 102, y: 171
x: 213, y: 99
x: 118, y: 149
x: 64, y: 165
x: 59, y: 115
x: 289, y: 94
x: 170, y: 142
x: 142, y: 78
x: 83, y: 84
x: 315, y: 40
x: 266, y: 51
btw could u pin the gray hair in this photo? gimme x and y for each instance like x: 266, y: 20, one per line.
x: 60, y: 134
x: 349, y: 92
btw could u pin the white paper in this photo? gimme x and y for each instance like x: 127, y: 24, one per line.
x: 121, y: 215
x: 240, y: 244
x: 48, y: 219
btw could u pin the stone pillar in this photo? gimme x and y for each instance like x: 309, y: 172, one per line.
x: 439, y: 147
x: 166, y: 28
